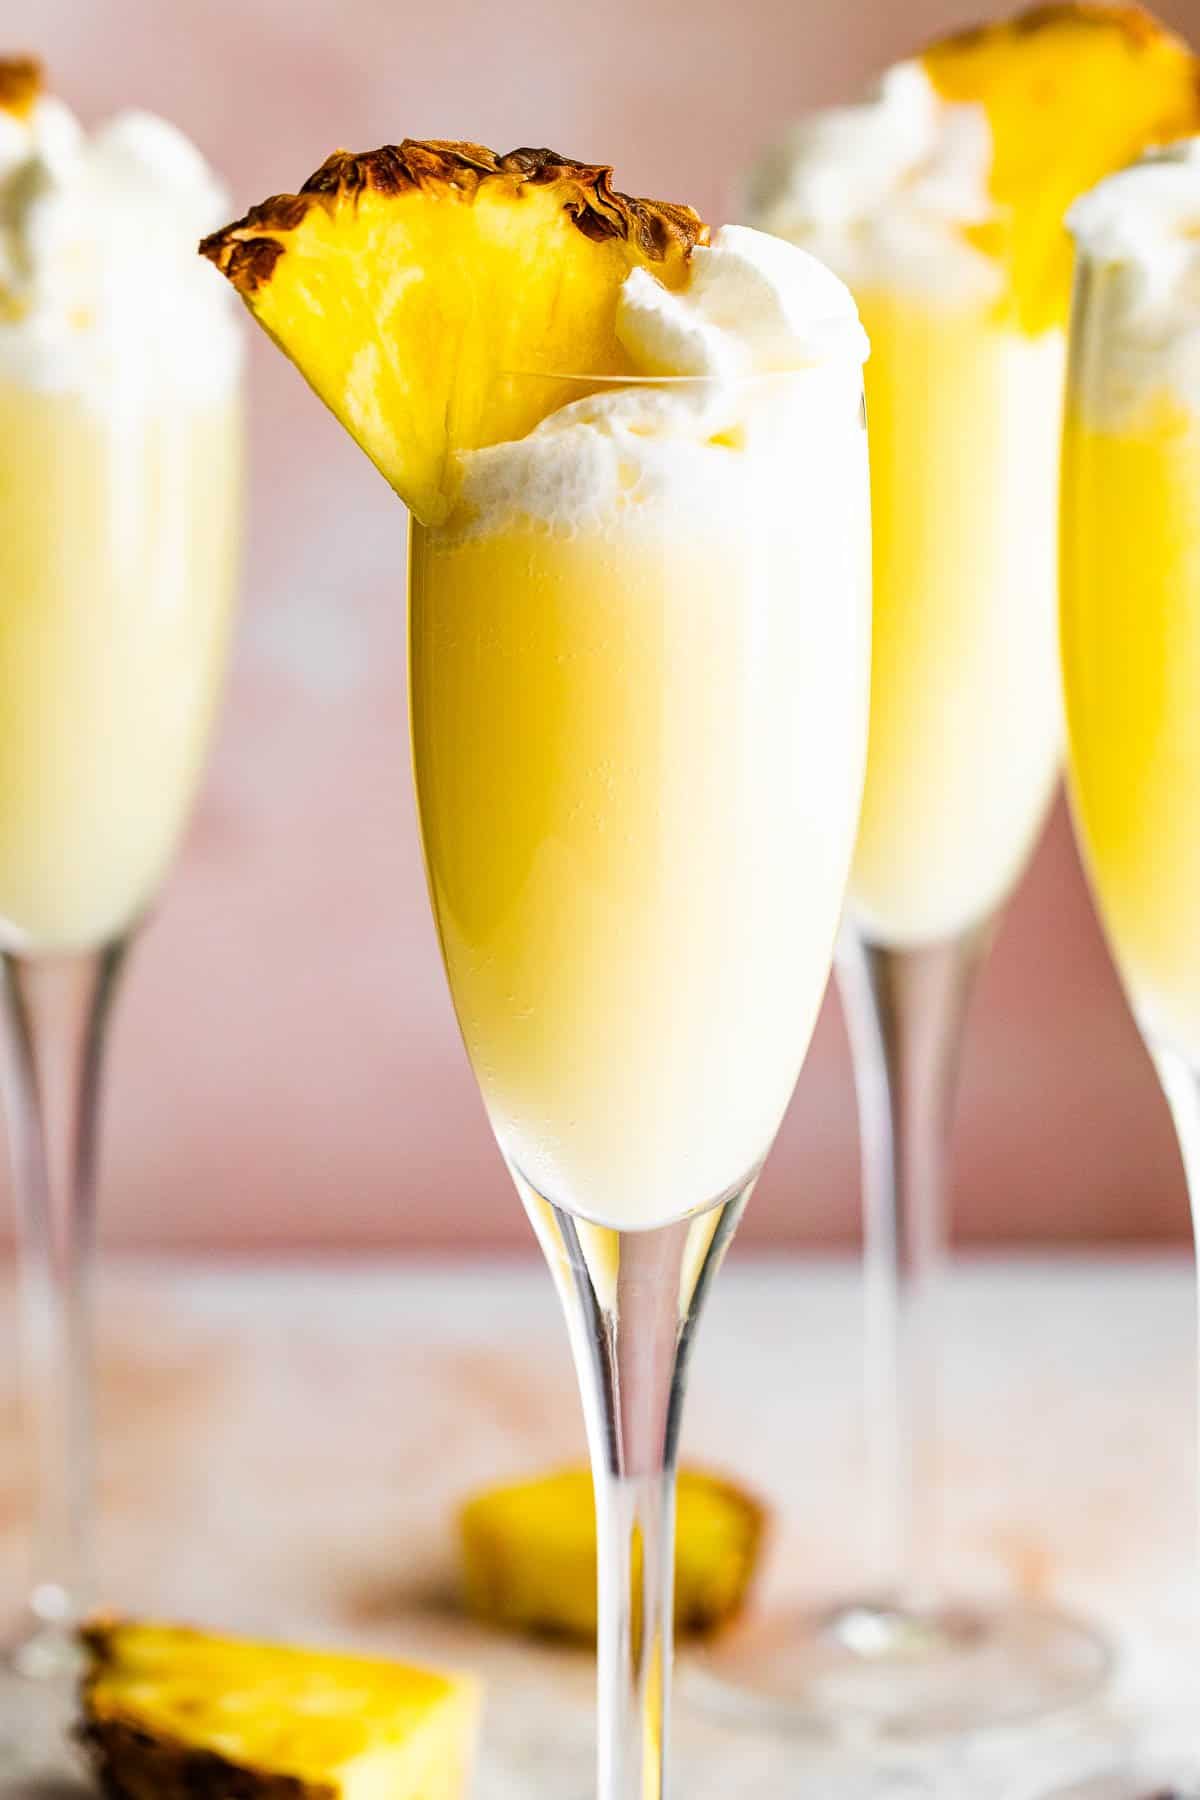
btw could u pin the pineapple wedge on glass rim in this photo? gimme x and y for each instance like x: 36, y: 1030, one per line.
x: 179, y: 1714
x: 416, y: 287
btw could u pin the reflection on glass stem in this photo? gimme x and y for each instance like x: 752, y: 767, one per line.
x: 631, y: 1300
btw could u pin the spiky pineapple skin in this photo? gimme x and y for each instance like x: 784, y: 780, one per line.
x: 21, y: 84
x: 248, y: 250
x: 129, y: 1764
x: 133, y: 1756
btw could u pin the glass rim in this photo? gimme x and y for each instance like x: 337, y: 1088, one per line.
x: 744, y: 378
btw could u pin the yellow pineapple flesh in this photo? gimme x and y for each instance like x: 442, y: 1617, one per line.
x: 416, y: 285
x: 529, y: 1553
x: 170, y: 1713
x: 1072, y: 91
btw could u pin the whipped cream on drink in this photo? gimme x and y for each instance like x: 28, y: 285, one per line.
x: 882, y: 189
x: 98, y: 266
x: 1141, y: 232
x: 754, y: 307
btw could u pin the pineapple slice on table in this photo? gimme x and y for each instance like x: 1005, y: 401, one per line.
x: 1071, y: 91
x: 529, y: 1553
x: 175, y: 1714
x: 415, y: 286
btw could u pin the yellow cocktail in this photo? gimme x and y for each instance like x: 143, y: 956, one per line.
x: 940, y: 201
x: 637, y: 729
x: 1131, y: 587
x: 120, y: 473
x: 965, y: 717
x: 118, y: 544
x: 120, y: 478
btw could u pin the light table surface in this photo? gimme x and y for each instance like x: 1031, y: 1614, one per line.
x: 282, y: 1448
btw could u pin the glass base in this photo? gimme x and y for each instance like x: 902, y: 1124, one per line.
x: 44, y: 1651
x: 40, y: 1665
x: 878, y: 1672
x: 1146, y: 1782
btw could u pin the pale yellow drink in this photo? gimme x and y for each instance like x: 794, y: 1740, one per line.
x: 965, y: 729
x: 1131, y: 665
x: 638, y: 748
x: 120, y: 476
x: 117, y: 558
x: 1130, y: 630
x: 940, y: 199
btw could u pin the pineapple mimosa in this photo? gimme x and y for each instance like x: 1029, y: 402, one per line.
x: 940, y: 200
x: 628, y: 664
x: 639, y: 675
x: 120, y: 468
x: 1130, y: 638
x: 1131, y: 585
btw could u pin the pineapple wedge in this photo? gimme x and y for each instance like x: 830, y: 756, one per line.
x: 410, y: 285
x: 529, y: 1553
x: 174, y: 1714
x: 1072, y: 91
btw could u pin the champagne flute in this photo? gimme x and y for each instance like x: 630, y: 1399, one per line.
x: 1130, y: 641
x: 120, y: 469
x: 638, y: 739
x: 635, y: 458
x: 939, y: 198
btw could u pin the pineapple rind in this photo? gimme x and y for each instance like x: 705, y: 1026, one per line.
x: 130, y: 1764
x: 529, y: 1554
x: 21, y: 82
x: 248, y: 250
x: 170, y: 1713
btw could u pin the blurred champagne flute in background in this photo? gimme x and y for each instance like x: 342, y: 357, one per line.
x: 120, y: 478
x: 940, y: 201
x: 1130, y: 639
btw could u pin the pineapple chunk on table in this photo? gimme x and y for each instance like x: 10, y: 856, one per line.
x: 529, y: 1553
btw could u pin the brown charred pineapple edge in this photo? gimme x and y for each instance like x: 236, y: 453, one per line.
x: 248, y: 250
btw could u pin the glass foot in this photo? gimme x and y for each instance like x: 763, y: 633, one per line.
x: 877, y: 1671
x: 45, y: 1653
x: 1132, y: 1783
x: 43, y: 1644
x: 40, y: 1664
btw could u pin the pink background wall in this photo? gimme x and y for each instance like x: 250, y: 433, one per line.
x: 286, y: 1068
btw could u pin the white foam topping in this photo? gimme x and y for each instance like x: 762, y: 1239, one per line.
x: 1140, y: 230
x: 754, y: 307
x: 753, y: 303
x: 100, y: 282
x: 1144, y: 214
x: 881, y: 189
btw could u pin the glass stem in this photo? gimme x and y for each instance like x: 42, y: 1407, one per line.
x: 56, y: 1009
x: 1182, y: 1089
x: 905, y: 1012
x: 631, y: 1300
